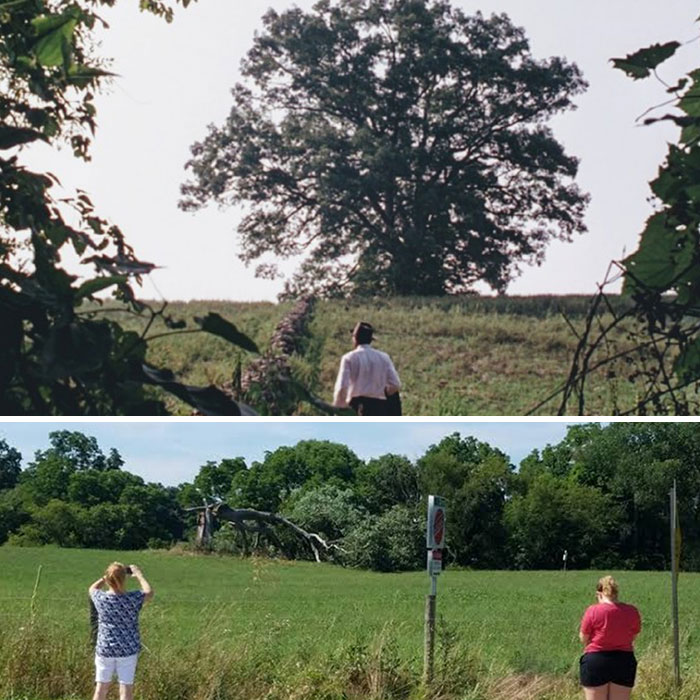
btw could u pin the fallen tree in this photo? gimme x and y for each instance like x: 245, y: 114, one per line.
x: 261, y: 524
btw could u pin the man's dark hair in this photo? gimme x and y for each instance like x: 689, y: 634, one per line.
x: 363, y: 333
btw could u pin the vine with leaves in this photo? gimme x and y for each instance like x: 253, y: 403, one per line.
x: 654, y: 342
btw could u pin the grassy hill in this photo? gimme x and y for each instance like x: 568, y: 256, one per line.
x: 455, y: 356
x: 222, y: 628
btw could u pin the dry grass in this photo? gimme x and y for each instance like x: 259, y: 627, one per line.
x: 524, y: 686
x: 455, y: 355
x: 40, y: 664
x: 454, y: 360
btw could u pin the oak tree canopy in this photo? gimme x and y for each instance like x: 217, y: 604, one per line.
x: 398, y: 146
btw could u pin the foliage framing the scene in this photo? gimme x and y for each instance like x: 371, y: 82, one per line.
x: 56, y: 358
x: 662, y: 277
x: 400, y: 147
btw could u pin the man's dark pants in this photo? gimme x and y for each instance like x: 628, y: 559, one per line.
x: 368, y: 406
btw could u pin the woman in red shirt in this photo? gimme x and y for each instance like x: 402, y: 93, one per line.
x: 608, y: 629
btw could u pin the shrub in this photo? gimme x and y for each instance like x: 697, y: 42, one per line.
x: 392, y: 541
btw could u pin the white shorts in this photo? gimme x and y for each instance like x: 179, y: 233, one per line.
x: 123, y: 667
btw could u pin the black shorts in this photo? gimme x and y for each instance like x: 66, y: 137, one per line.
x: 601, y: 667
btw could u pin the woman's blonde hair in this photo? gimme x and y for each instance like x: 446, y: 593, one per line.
x: 115, y: 575
x: 608, y: 587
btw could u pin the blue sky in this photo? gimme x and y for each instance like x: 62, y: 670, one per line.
x: 171, y: 452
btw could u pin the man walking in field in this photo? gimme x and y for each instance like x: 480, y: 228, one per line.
x: 367, y: 379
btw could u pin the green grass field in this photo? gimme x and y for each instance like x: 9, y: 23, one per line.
x: 228, y: 628
x: 455, y: 355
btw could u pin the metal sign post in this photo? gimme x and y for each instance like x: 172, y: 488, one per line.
x: 435, y: 542
x: 675, y: 557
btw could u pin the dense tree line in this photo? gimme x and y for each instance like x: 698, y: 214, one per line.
x: 74, y: 495
x: 601, y: 493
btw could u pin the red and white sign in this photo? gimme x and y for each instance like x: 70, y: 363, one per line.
x: 435, y: 533
x: 434, y: 562
x: 439, y: 525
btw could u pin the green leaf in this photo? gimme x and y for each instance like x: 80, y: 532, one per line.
x: 662, y: 257
x: 691, y: 134
x: 632, y: 69
x: 98, y: 284
x: 50, y: 50
x: 209, y: 400
x: 58, y: 234
x: 11, y: 136
x: 81, y: 76
x: 666, y: 184
x: 47, y: 24
x: 54, y: 36
x: 690, y: 102
x: 26, y: 62
x: 216, y: 325
x: 640, y: 63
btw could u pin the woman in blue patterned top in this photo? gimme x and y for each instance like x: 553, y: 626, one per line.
x: 118, y: 640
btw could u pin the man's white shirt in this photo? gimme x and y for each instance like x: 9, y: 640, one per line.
x: 364, y: 372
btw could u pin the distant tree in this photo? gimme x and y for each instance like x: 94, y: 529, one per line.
x: 475, y: 478
x: 387, y: 481
x: 10, y: 465
x: 115, y: 481
x: 310, y: 462
x: 400, y: 146
x: 328, y: 461
x: 158, y: 514
x: 86, y: 488
x: 529, y: 469
x: 329, y: 510
x: 635, y: 464
x: 49, y: 475
x: 59, y: 523
x: 632, y: 466
x: 214, y: 480
x: 114, y: 526
x: 560, y: 459
x: 392, y: 541
x: 188, y: 496
x: 114, y: 460
x: 72, y: 495
x: 14, y: 512
x: 143, y: 513
x: 91, y: 486
x: 81, y: 450
x: 557, y: 514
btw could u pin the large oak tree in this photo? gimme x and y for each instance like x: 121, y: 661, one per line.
x: 399, y: 146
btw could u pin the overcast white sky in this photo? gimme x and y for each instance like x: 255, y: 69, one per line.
x: 175, y: 79
x: 172, y: 451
